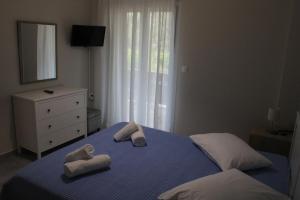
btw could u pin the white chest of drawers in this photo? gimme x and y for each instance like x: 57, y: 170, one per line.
x: 44, y: 121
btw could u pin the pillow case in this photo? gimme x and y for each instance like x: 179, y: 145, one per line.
x: 229, y: 151
x: 229, y: 185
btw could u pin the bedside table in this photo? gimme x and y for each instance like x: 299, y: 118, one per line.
x: 262, y: 140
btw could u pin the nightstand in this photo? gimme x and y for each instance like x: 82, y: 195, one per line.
x: 262, y: 140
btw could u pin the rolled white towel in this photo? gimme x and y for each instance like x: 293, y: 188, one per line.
x: 125, y: 132
x: 80, y: 167
x: 138, y: 138
x: 83, y: 153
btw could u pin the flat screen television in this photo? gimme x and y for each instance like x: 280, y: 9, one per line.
x: 87, y: 36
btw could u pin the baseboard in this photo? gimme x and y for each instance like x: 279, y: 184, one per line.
x: 2, y: 154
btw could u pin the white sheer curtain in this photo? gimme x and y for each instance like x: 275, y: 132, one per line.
x: 137, y: 68
x: 46, y: 66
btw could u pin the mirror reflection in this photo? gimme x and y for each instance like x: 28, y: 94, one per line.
x: 37, y: 51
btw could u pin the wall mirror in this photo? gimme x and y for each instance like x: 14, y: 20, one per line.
x: 37, y: 51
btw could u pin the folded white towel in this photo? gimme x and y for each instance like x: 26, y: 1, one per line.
x: 83, y: 153
x: 80, y: 167
x: 138, y: 138
x: 125, y: 132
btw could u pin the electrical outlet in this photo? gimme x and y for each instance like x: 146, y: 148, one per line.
x: 91, y: 97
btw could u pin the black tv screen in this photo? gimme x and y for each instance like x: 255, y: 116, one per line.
x: 87, y: 36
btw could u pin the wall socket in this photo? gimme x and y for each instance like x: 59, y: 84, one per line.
x: 91, y: 96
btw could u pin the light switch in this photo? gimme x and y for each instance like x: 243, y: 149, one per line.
x: 184, y: 68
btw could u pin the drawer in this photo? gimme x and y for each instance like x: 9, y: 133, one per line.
x: 62, y: 136
x: 49, y: 125
x: 60, y: 105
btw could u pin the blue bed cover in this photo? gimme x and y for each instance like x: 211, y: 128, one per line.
x: 136, y: 173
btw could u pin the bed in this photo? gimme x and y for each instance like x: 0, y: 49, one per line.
x: 136, y: 173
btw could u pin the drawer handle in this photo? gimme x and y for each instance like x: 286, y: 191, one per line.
x: 49, y: 126
x: 77, y: 102
x: 50, y: 141
x: 77, y: 116
x: 78, y: 130
x: 49, y: 110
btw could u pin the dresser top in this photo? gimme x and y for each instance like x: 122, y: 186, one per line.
x: 39, y: 95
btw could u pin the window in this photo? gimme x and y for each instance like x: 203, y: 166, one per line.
x: 141, y: 62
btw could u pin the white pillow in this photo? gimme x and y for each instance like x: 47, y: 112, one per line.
x: 229, y: 151
x: 230, y: 185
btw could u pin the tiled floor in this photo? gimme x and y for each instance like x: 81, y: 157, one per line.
x: 10, y: 164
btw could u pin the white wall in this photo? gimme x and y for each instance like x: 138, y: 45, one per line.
x: 234, y: 51
x: 290, y: 91
x: 72, y: 62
